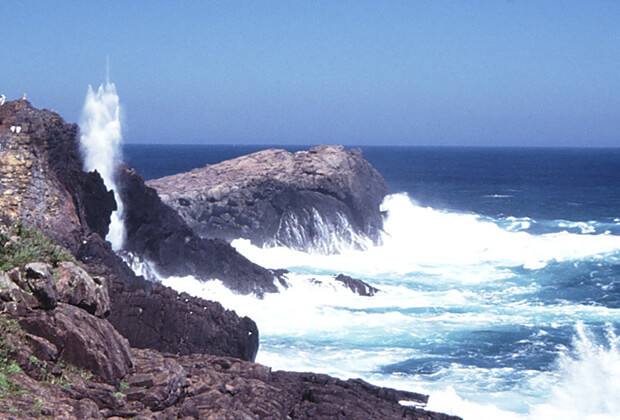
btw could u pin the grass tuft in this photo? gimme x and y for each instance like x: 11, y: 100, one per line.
x: 22, y: 245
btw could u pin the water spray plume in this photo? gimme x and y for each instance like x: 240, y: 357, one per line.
x: 101, y: 144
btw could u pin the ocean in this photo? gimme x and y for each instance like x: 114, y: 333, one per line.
x: 499, y: 271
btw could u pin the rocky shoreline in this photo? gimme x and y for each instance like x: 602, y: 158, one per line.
x: 84, y: 337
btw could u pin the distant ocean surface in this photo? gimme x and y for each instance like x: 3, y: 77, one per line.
x: 500, y: 277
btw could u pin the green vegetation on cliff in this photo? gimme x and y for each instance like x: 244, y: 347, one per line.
x: 20, y: 245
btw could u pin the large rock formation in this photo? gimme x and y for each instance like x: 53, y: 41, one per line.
x: 157, y: 234
x: 61, y: 354
x: 42, y: 184
x: 315, y: 199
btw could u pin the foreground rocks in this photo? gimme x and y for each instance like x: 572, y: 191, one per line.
x: 307, y: 200
x: 63, y: 362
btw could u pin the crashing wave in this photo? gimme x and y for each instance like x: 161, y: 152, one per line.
x: 310, y: 231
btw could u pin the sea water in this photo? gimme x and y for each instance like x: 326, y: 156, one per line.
x: 499, y: 278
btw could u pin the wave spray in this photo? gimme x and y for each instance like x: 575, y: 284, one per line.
x: 101, y: 145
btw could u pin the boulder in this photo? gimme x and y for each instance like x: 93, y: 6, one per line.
x: 77, y: 288
x: 82, y: 339
x: 42, y: 284
x: 356, y: 286
x: 320, y: 199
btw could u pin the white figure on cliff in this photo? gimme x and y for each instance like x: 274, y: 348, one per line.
x: 18, y: 129
x: 2, y: 99
x: 24, y: 96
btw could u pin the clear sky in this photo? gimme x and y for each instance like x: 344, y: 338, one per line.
x: 496, y: 72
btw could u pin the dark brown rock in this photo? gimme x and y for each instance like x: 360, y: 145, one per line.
x: 300, y: 200
x: 42, y: 284
x: 82, y: 339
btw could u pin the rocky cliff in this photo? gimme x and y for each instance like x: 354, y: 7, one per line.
x: 82, y: 337
x: 318, y: 199
x: 42, y: 184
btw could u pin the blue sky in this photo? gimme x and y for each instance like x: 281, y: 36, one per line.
x: 513, y: 73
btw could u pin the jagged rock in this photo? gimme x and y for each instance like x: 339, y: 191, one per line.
x: 41, y: 179
x: 86, y: 409
x: 357, y: 286
x: 42, y: 284
x: 42, y: 184
x: 301, y: 200
x: 82, y: 339
x: 154, y: 316
x: 77, y: 288
x: 158, y: 381
x: 157, y: 234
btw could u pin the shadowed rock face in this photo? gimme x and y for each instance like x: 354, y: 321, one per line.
x: 277, y: 196
x: 156, y: 233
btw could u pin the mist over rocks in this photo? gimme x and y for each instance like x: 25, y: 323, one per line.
x: 308, y: 200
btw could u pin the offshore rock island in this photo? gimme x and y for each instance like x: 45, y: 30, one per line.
x: 306, y: 200
x: 82, y: 336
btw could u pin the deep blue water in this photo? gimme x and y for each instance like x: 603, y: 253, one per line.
x: 539, y: 183
x: 489, y: 267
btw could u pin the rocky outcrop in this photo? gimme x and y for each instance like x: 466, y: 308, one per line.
x: 42, y: 184
x: 356, y: 286
x: 154, y: 316
x: 41, y: 181
x: 157, y: 234
x: 315, y: 199
x: 76, y: 287
x: 61, y: 354
x: 68, y: 363
x: 60, y: 330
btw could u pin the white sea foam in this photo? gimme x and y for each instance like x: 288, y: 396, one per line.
x: 100, y: 140
x: 425, y: 240
x: 313, y: 233
x: 318, y: 324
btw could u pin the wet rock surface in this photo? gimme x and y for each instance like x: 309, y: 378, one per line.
x: 357, y: 286
x: 157, y: 234
x: 302, y: 200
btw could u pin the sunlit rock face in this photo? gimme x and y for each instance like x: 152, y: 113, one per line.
x: 317, y: 200
x: 41, y: 178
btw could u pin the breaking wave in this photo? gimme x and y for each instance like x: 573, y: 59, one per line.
x: 509, y: 318
x: 314, y: 233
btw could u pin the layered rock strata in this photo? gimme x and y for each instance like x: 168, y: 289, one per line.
x: 318, y: 199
